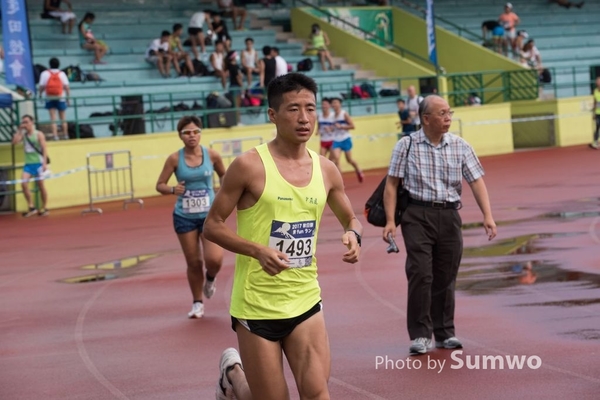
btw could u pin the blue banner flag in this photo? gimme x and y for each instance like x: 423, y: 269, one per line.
x: 17, y: 51
x: 431, y: 34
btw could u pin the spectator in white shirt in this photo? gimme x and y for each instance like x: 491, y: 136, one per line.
x: 158, y: 54
x: 281, y: 66
x: 530, y: 56
x: 250, y: 61
x: 196, y: 31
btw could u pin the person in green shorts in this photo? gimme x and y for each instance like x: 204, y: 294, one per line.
x: 36, y: 163
x: 280, y: 190
x: 319, y: 42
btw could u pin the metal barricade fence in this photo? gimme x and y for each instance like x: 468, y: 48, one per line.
x: 110, y: 176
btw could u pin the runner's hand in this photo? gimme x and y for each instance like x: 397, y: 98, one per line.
x: 349, y: 240
x: 273, y: 261
x: 180, y: 188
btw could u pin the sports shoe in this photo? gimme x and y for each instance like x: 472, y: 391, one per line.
x: 594, y: 145
x: 209, y: 288
x: 420, y: 346
x: 450, y: 343
x: 360, y: 176
x: 44, y: 212
x: 224, y: 389
x: 197, y: 310
x: 32, y: 211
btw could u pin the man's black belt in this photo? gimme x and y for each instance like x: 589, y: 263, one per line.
x: 445, y: 205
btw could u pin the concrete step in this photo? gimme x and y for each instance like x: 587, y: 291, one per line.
x: 365, y: 74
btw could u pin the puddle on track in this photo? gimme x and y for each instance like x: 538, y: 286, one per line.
x: 118, y: 269
x: 568, y: 215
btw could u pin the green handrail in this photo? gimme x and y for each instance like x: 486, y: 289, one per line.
x: 403, y: 52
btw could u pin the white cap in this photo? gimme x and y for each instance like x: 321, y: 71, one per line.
x: 509, y: 5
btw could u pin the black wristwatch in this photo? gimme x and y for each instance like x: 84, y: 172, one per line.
x: 358, y: 237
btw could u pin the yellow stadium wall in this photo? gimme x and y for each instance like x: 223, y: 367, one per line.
x: 373, y: 138
x: 573, y: 124
x: 359, y: 51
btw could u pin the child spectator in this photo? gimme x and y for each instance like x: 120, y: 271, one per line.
x: 497, y: 33
x: 67, y: 18
x: 88, y: 41
x: 195, y: 30
x: 249, y: 61
x: 473, y: 100
x: 319, y: 42
x: 217, y: 62
x: 177, y: 52
x: 220, y: 29
x: 55, y: 84
x: 158, y: 54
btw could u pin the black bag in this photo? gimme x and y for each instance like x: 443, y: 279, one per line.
x: 305, y: 65
x: 40, y: 152
x: 224, y: 119
x: 37, y: 72
x: 389, y: 92
x: 74, y: 73
x: 545, y: 76
x: 85, y: 131
x: 374, y: 208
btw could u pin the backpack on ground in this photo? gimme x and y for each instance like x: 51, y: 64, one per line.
x: 369, y: 90
x: 54, y: 86
x: 356, y: 92
x: 305, y: 65
x: 74, y: 73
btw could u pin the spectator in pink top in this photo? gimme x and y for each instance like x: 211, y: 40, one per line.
x: 510, y: 20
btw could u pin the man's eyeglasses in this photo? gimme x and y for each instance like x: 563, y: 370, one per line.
x: 191, y: 131
x: 442, y: 114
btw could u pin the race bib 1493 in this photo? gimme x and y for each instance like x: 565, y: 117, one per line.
x: 296, y: 239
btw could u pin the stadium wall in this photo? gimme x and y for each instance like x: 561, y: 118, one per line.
x: 373, y: 138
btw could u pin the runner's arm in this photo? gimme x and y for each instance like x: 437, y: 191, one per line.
x: 162, y: 186
x: 340, y: 205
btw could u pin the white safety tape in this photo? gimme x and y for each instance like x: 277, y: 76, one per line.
x: 525, y: 119
x: 44, y: 178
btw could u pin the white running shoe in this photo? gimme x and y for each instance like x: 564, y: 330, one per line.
x: 224, y: 389
x: 197, y: 310
x: 209, y: 288
x: 450, y: 343
x: 420, y: 346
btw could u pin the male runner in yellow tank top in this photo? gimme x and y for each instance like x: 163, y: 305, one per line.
x: 280, y: 190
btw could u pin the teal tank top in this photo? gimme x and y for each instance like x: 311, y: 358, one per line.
x: 199, y: 193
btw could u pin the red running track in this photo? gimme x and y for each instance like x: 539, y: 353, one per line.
x: 129, y: 338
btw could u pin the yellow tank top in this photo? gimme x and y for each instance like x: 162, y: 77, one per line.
x: 286, y: 218
x: 597, y: 97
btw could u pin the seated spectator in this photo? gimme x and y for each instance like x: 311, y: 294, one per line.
x: 319, y: 42
x: 281, y: 66
x: 267, y: 67
x: 567, y: 4
x: 195, y: 30
x: 498, y: 42
x: 158, y: 54
x: 229, y: 10
x: 522, y: 35
x: 177, y: 52
x: 220, y: 29
x: 217, y: 61
x: 249, y: 61
x: 473, y: 100
x: 87, y: 40
x: 67, y: 18
x: 510, y: 20
x: 530, y: 56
